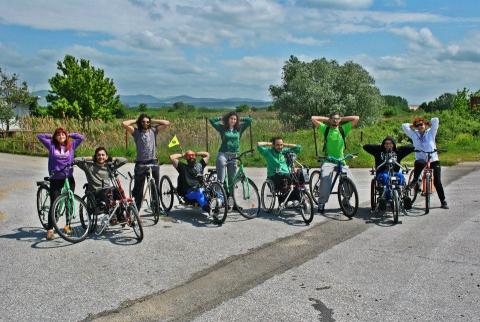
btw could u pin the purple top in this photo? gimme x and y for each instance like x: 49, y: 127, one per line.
x: 58, y: 159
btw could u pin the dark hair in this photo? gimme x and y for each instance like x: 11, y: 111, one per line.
x: 100, y: 148
x: 140, y: 119
x: 334, y: 113
x: 68, y: 144
x: 275, y: 138
x: 227, y: 116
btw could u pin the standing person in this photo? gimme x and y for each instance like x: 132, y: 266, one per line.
x: 61, y: 148
x: 423, y: 138
x: 335, y: 129
x: 231, y: 128
x: 145, y: 137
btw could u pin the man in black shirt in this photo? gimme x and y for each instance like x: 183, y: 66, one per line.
x: 189, y: 184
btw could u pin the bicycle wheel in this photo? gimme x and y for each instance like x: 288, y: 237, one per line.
x: 428, y: 192
x: 314, y: 185
x: 268, y: 196
x: 134, y: 221
x: 395, y: 206
x: 412, y: 192
x: 43, y: 204
x: 130, y: 185
x: 166, y: 193
x: 154, y: 201
x: 307, y: 210
x: 373, y: 194
x: 347, y: 197
x: 70, y: 217
x: 218, y: 202
x: 246, y: 198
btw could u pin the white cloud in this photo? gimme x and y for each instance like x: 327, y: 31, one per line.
x: 422, y: 38
x: 343, y: 4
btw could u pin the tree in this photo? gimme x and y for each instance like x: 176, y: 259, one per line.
x: 443, y: 102
x: 242, y: 108
x: 11, y: 95
x: 322, y: 86
x: 82, y: 91
x: 142, y: 107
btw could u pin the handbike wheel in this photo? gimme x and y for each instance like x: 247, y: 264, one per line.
x: 347, y: 197
x: 306, y: 202
x: 43, y: 205
x: 268, y: 196
x: 395, y: 206
x: 166, y: 193
x: 246, y: 198
x: 414, y: 191
x: 314, y: 185
x: 428, y: 191
x: 134, y: 221
x: 373, y: 194
x: 70, y: 217
x: 154, y: 201
x: 218, y: 202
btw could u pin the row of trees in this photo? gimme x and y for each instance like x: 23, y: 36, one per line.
x: 12, y: 94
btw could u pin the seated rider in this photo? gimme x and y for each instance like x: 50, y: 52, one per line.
x: 277, y: 168
x: 382, y: 152
x: 189, y: 176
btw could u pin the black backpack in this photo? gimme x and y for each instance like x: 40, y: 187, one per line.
x: 342, y: 132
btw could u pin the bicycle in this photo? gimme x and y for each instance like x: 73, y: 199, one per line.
x: 346, y: 187
x: 212, y: 189
x: 425, y: 181
x: 299, y: 177
x: 69, y: 214
x: 43, y: 201
x: 392, y: 192
x: 242, y: 190
x: 150, y: 192
x: 117, y: 204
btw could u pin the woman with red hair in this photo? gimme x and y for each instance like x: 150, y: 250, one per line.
x: 61, y: 147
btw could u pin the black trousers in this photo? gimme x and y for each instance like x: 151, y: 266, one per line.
x: 437, y: 175
x: 140, y: 173
x: 56, y: 186
x: 282, y: 182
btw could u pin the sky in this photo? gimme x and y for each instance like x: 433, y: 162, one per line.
x: 414, y: 49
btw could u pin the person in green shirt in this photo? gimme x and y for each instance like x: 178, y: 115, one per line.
x: 231, y: 128
x: 277, y: 168
x: 336, y: 128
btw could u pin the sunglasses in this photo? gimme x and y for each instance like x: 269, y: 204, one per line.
x: 336, y: 118
x: 145, y: 122
x: 418, y: 124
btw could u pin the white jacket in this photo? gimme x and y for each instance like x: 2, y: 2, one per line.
x: 425, y: 141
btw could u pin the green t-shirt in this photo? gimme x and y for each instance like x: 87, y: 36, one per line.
x: 230, y: 138
x: 276, y: 162
x: 335, y: 143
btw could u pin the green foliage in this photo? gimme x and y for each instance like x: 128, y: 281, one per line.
x: 11, y: 95
x: 242, y: 108
x: 443, y: 102
x: 82, y: 91
x: 322, y: 86
x: 396, y: 101
x: 142, y: 107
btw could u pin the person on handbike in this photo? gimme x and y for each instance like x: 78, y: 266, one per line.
x: 278, y: 169
x: 382, y: 152
x: 190, y: 177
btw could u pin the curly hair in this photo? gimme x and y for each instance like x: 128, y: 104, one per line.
x: 140, y: 119
x: 227, y: 116
x: 68, y: 143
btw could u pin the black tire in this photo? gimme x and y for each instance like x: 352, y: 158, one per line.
x: 166, y: 193
x: 427, y: 193
x: 373, y: 194
x: 246, y: 198
x: 43, y: 204
x: 413, y: 193
x: 347, y: 191
x: 314, y: 185
x: 73, y: 213
x: 219, y: 201
x: 130, y: 185
x: 268, y: 196
x: 308, y: 211
x: 395, y: 206
x: 134, y: 221
x: 154, y: 202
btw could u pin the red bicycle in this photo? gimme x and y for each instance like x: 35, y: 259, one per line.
x: 425, y: 182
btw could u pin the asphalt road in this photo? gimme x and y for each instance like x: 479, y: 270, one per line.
x: 265, y: 269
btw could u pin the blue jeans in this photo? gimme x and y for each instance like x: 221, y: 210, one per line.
x: 197, y: 195
x: 382, y: 177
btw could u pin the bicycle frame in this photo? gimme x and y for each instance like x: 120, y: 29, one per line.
x: 427, y: 172
x: 239, y: 174
x: 338, y: 169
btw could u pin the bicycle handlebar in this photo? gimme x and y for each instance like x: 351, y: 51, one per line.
x: 346, y: 157
x: 69, y: 165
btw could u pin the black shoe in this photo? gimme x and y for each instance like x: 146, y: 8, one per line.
x: 407, y: 203
x: 321, y: 208
x: 444, y: 205
x: 382, y: 204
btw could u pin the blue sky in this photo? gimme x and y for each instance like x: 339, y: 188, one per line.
x: 415, y: 49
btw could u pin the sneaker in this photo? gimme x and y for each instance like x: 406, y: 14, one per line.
x: 50, y: 234
x: 382, y: 204
x: 67, y: 229
x: 321, y: 208
x: 444, y: 205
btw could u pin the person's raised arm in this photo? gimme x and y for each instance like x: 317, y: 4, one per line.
x: 434, y: 125
x: 372, y: 148
x: 354, y: 119
x: 204, y: 155
x: 161, y: 125
x: 128, y: 125
x: 45, y: 139
x: 264, y: 143
x: 246, y: 122
x: 406, y: 127
x: 316, y: 120
x: 216, y: 122
x: 77, y: 139
x: 174, y: 158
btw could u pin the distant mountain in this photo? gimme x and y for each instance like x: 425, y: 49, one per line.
x: 152, y: 101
